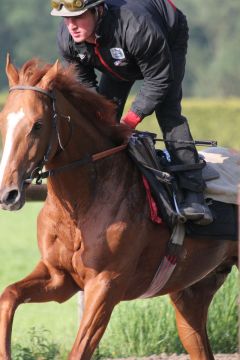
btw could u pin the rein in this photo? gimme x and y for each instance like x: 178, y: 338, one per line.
x: 37, y: 173
x: 87, y: 159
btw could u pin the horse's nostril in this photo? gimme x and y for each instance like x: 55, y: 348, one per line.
x: 10, y: 197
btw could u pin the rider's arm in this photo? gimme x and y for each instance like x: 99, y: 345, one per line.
x: 151, y: 52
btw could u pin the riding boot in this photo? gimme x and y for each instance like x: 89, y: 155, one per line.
x: 195, y: 208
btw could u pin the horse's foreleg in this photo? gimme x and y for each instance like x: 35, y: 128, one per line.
x: 100, y: 297
x: 191, y: 308
x: 41, y: 285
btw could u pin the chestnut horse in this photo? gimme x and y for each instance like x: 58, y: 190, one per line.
x: 94, y: 231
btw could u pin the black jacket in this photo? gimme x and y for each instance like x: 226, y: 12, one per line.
x: 134, y: 40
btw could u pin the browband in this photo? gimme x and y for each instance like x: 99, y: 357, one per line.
x: 34, y: 88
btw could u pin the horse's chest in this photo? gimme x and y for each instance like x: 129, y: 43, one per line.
x: 59, y: 249
x: 58, y: 255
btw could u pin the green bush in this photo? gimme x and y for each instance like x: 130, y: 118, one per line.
x: 2, y: 99
x: 39, y: 347
x: 211, y: 119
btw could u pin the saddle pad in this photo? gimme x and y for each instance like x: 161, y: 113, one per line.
x: 227, y: 163
x: 224, y: 226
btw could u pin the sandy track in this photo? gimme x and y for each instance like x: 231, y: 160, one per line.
x: 184, y: 357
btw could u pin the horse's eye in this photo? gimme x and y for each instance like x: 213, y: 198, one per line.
x: 38, y: 125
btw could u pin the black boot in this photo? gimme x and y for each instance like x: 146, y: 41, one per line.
x: 194, y: 208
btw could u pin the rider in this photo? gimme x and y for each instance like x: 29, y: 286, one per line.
x: 130, y: 40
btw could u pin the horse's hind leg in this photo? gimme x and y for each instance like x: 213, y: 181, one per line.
x: 191, y: 308
x: 42, y: 285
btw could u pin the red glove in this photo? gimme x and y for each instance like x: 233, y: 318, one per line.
x: 131, y: 119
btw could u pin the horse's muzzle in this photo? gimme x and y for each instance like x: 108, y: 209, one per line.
x: 11, y: 198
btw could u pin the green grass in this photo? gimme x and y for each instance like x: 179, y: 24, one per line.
x: 136, y: 328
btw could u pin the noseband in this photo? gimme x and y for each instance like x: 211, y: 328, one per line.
x: 37, y: 173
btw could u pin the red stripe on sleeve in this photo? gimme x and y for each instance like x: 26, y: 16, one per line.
x: 173, y: 5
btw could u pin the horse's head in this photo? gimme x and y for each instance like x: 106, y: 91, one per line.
x: 31, y: 130
x: 26, y: 128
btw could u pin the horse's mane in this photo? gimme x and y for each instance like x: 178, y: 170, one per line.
x: 94, y: 107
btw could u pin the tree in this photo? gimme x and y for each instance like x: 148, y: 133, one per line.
x: 213, y: 60
x: 27, y: 30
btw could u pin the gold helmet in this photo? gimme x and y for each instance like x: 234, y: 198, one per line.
x: 72, y: 7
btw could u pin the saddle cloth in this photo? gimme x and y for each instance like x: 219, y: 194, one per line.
x: 222, y: 174
x: 221, y: 195
x: 227, y: 163
x: 223, y: 227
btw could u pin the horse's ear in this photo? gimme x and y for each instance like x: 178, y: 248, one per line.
x: 47, y: 81
x: 12, y: 72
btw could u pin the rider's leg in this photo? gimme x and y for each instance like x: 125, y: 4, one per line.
x: 175, y: 127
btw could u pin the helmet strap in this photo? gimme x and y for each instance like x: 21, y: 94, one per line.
x: 99, y: 11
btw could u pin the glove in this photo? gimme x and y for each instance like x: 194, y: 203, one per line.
x: 131, y: 119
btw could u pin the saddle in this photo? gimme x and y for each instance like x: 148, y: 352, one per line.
x: 156, y: 167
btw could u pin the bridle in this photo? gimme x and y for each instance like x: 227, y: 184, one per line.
x: 51, y: 95
x: 37, y: 173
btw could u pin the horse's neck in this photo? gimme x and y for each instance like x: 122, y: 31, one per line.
x: 84, y: 138
x: 77, y: 187
x: 86, y: 191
